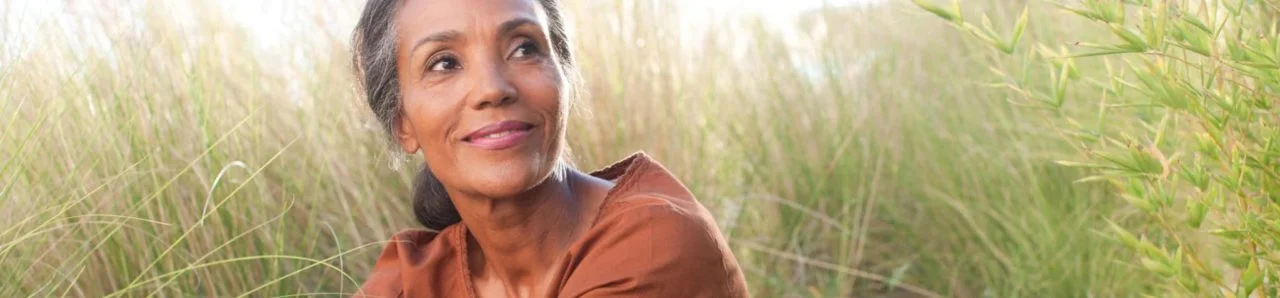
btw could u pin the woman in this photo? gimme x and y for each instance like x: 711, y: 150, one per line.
x: 482, y: 88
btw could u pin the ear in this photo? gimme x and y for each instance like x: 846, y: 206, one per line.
x: 405, y: 134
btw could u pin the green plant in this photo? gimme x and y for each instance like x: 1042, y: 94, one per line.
x: 1177, y: 113
x: 178, y: 157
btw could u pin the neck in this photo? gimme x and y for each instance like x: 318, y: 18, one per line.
x: 521, y: 237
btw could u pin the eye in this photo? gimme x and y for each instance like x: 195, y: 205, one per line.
x: 527, y: 48
x: 444, y: 64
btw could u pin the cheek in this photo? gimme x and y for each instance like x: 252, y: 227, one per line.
x: 430, y: 109
x: 543, y: 90
x: 549, y: 99
x: 431, y: 120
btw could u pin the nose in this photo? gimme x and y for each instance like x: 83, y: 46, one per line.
x: 492, y: 88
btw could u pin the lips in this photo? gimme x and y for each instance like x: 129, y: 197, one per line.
x: 498, y: 136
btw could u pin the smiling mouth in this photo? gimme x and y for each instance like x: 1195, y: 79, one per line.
x: 498, y: 136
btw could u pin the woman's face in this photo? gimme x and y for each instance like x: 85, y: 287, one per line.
x: 481, y: 92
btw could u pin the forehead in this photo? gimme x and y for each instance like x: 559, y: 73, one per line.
x: 425, y: 16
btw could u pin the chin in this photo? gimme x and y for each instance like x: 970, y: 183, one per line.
x: 509, y: 181
x: 510, y: 172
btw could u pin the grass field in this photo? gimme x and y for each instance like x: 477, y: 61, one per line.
x: 860, y: 157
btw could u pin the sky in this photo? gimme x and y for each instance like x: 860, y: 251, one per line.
x: 272, y: 20
x: 275, y: 13
x: 770, y: 9
x: 275, y: 26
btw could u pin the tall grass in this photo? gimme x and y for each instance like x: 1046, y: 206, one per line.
x: 856, y: 158
x: 1182, y: 126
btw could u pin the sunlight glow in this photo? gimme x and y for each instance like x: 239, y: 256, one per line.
x: 770, y: 10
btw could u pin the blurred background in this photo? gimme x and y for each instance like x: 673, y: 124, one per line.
x: 846, y: 147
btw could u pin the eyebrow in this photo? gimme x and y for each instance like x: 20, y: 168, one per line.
x: 450, y: 35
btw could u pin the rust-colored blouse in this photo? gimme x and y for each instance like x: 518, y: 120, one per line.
x: 651, y: 238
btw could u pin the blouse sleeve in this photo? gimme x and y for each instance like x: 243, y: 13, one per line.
x: 656, y: 248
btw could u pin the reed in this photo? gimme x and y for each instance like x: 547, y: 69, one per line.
x: 1181, y: 125
x: 853, y: 152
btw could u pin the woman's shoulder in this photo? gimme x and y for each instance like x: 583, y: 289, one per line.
x: 413, y: 237
x: 648, y: 202
x: 641, y: 181
x: 652, y: 238
x: 416, y: 255
x: 645, y: 191
x: 413, y: 246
